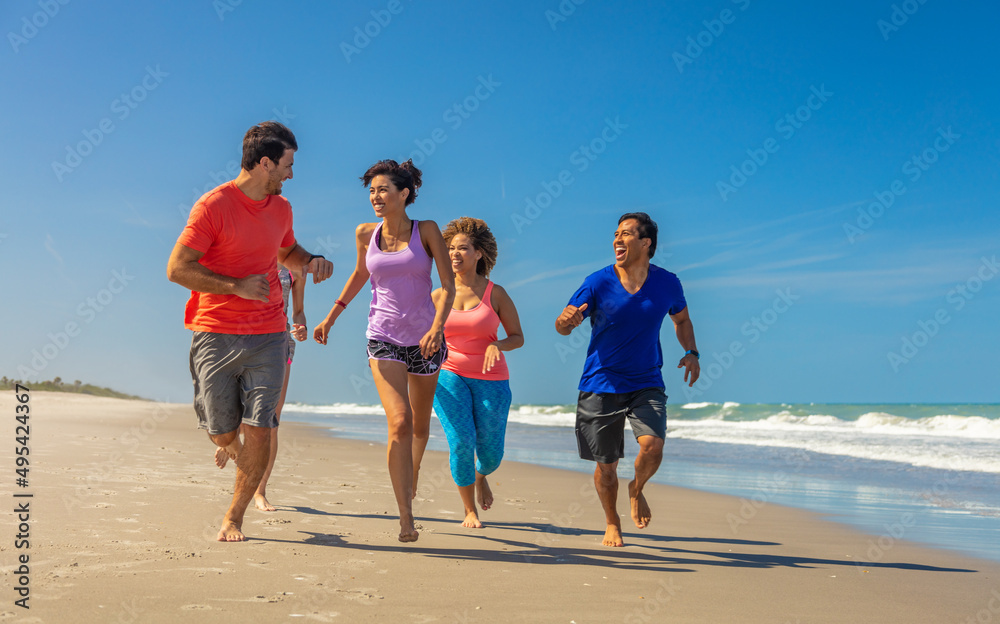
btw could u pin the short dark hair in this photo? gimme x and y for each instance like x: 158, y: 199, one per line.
x: 403, y: 176
x: 647, y: 228
x: 482, y: 240
x: 267, y: 139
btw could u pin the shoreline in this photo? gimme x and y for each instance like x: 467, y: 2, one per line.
x: 145, y: 501
x: 938, y: 508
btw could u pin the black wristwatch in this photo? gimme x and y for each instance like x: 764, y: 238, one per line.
x: 692, y: 352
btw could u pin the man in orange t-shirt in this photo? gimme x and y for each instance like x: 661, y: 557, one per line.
x: 227, y: 256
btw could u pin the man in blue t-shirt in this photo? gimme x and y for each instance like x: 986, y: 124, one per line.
x: 626, y: 303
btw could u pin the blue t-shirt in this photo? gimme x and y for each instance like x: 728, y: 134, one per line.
x: 624, y: 353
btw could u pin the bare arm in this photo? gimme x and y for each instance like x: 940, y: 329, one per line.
x: 685, y: 336
x: 298, y: 307
x: 298, y: 259
x: 430, y: 234
x: 511, y: 322
x: 357, y: 280
x: 509, y: 319
x: 184, y: 268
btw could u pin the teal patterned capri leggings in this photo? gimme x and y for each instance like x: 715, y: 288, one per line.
x: 473, y: 413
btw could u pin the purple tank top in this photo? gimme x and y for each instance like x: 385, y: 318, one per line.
x: 402, y: 310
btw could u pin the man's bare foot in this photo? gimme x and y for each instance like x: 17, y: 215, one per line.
x: 641, y: 514
x: 613, y: 536
x: 472, y: 520
x: 230, y: 532
x: 260, y: 501
x: 224, y: 453
x: 484, y: 495
x: 407, y: 532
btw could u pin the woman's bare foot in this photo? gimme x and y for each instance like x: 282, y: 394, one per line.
x: 613, y: 536
x: 221, y: 457
x: 641, y: 513
x: 472, y: 520
x: 484, y: 495
x: 260, y: 501
x: 230, y: 532
x: 407, y: 532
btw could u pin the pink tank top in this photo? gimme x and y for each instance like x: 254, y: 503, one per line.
x: 468, y: 333
x: 402, y: 310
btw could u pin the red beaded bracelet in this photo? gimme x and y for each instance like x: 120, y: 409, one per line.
x: 340, y: 303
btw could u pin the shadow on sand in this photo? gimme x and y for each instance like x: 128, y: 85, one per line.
x: 646, y: 551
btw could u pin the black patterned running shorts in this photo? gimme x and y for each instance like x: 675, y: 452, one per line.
x: 415, y: 362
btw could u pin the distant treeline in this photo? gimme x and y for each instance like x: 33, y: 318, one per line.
x: 57, y: 385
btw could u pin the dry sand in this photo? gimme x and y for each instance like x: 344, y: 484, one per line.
x: 127, y: 503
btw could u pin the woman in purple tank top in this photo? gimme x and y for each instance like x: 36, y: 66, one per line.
x: 405, y: 326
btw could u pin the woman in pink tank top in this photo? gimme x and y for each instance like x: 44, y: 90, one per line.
x: 405, y: 325
x: 473, y: 394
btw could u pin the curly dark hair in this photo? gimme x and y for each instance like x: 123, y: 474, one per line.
x: 482, y: 240
x: 403, y: 176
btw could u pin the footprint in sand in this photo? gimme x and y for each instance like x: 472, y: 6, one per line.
x: 196, y: 607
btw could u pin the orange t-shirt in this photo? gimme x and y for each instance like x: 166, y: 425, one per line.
x: 239, y: 237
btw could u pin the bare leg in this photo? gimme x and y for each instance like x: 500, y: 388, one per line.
x: 606, y: 482
x: 468, y: 494
x: 252, y: 460
x: 260, y: 496
x: 390, y: 380
x: 483, y: 492
x: 422, y: 389
x: 646, y: 464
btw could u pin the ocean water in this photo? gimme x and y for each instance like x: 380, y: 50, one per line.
x: 926, y: 473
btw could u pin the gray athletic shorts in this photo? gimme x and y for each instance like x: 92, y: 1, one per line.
x: 600, y: 421
x: 237, y: 378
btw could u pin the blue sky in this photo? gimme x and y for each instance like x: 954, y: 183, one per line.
x: 825, y: 177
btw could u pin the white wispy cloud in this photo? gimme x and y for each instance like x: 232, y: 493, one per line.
x: 581, y: 268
